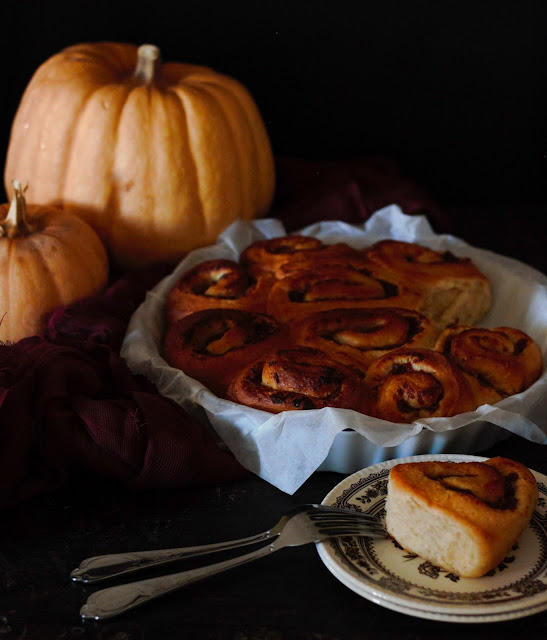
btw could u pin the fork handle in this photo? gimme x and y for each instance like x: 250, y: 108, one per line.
x: 112, y: 601
x: 99, y: 568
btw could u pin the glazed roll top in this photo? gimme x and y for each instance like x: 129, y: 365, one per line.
x: 213, y: 345
x: 357, y: 337
x: 216, y: 284
x: 455, y: 290
x: 497, y: 362
x: 297, y: 379
x: 337, y: 287
x: 411, y: 383
x: 267, y: 256
x: 332, y: 256
x: 396, y: 316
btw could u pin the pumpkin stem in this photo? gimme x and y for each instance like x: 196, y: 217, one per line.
x: 148, y: 60
x: 15, y: 223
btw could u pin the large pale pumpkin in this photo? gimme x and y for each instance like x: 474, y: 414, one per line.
x: 48, y: 258
x: 157, y: 158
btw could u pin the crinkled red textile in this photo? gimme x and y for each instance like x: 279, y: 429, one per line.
x: 69, y: 403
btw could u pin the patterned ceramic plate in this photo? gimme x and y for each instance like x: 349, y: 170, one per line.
x: 384, y: 573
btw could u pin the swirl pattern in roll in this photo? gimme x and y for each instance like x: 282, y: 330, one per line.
x: 216, y: 284
x: 337, y: 288
x: 357, y: 337
x: 498, y: 362
x: 407, y: 384
x: 213, y: 345
x: 455, y: 290
x: 297, y: 379
x: 266, y: 256
x: 339, y: 256
x: 461, y: 516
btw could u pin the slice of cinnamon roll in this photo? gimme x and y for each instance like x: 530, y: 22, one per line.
x: 297, y: 379
x: 454, y: 289
x: 213, y: 345
x: 407, y: 384
x: 497, y: 362
x: 357, y: 337
x: 216, y: 284
x: 462, y: 516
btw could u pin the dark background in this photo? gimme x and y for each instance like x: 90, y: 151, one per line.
x: 455, y: 92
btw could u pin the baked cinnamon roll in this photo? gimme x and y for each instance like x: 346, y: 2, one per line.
x: 337, y: 288
x: 297, y: 379
x: 461, y: 516
x: 357, y: 337
x: 339, y: 255
x: 497, y: 362
x: 266, y: 256
x: 216, y: 284
x: 213, y: 345
x: 455, y: 291
x: 407, y: 384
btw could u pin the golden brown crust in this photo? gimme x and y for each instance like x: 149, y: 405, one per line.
x: 266, y: 256
x: 337, y: 288
x: 213, y: 345
x: 455, y: 290
x: 297, y: 379
x: 216, y: 284
x: 357, y: 337
x: 492, y: 501
x: 339, y: 255
x: 361, y: 308
x: 407, y: 384
x: 498, y: 362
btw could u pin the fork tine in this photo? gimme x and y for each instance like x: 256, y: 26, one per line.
x: 353, y: 531
x: 337, y: 526
x: 348, y: 533
x: 336, y: 522
x: 343, y: 517
x: 361, y: 530
x: 370, y: 526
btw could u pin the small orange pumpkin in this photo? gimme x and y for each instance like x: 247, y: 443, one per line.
x: 159, y: 159
x: 48, y: 258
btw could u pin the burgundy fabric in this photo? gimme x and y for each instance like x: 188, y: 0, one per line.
x: 68, y: 402
x: 350, y: 191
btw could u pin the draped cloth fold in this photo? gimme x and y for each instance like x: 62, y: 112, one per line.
x: 69, y: 403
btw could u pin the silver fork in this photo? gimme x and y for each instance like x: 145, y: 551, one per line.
x: 308, y: 523
x: 99, y: 568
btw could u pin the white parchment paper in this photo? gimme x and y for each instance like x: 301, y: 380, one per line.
x: 285, y: 449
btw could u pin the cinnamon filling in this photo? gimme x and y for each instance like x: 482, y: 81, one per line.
x: 358, y: 287
x: 222, y: 336
x: 420, y: 392
x: 500, y: 495
x: 520, y: 345
x: 380, y: 335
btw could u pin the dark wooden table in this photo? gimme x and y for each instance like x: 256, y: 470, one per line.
x: 288, y: 595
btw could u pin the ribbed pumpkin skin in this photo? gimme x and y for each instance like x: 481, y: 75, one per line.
x: 157, y: 170
x: 59, y: 262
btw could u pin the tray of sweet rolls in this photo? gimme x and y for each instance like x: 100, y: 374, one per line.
x: 341, y: 346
